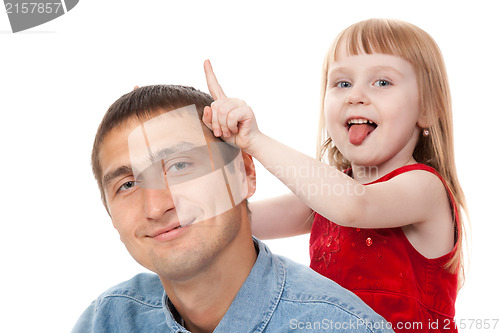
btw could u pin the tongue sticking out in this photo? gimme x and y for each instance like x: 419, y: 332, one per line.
x: 358, y: 133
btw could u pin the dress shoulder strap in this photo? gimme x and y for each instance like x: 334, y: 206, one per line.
x: 406, y: 168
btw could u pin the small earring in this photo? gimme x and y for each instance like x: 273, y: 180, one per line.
x: 426, y: 132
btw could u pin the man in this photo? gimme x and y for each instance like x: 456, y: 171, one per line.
x: 177, y: 197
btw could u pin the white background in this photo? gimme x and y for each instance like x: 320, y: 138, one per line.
x: 58, y: 248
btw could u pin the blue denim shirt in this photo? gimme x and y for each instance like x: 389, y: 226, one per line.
x: 278, y: 295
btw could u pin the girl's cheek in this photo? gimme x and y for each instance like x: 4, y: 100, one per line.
x: 331, y: 115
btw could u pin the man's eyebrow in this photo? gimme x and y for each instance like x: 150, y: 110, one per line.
x: 152, y: 158
x: 120, y: 171
x: 165, y: 152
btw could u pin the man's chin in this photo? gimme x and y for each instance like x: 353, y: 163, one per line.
x: 180, y: 268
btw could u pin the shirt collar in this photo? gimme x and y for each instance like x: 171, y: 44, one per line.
x: 170, y: 314
x: 256, y: 300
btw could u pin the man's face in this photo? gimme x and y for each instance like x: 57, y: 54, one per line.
x: 167, y: 192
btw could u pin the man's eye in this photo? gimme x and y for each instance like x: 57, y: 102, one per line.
x: 382, y: 83
x: 126, y: 186
x: 177, y: 167
x: 343, y: 84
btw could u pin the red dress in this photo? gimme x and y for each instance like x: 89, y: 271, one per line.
x: 381, y: 266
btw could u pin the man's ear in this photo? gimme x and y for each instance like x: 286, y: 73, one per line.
x: 250, y: 173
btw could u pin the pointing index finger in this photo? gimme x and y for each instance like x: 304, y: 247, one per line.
x: 212, y: 83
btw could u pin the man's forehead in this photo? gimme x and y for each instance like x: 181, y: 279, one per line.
x: 169, y: 133
x: 170, y: 130
x: 113, y: 151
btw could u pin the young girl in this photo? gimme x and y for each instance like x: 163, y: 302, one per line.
x: 384, y: 216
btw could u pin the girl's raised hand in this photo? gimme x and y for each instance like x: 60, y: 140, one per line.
x: 229, y: 118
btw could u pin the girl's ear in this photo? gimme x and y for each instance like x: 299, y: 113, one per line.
x: 423, y: 120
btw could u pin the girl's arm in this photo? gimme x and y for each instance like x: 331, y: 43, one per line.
x: 416, y: 200
x: 410, y: 198
x: 279, y: 217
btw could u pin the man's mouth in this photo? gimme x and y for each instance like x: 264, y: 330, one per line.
x: 168, y: 234
x: 165, y: 230
x: 358, y: 129
x: 171, y: 231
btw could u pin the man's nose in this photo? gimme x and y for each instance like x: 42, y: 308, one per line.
x: 157, y: 202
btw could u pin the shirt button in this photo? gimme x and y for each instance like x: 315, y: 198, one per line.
x: 369, y: 241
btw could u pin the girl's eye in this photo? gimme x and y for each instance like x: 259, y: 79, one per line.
x: 126, y: 186
x: 382, y: 83
x: 343, y: 84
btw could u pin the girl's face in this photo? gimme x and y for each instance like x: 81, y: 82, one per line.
x: 372, y: 109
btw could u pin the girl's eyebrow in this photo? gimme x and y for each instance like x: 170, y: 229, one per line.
x: 345, y: 70
x: 386, y: 69
x: 338, y: 70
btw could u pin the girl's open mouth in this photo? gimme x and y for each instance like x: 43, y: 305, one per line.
x: 359, y: 129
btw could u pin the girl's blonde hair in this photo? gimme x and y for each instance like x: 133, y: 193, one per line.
x: 417, y: 47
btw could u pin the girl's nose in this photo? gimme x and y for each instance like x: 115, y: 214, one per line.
x: 357, y: 96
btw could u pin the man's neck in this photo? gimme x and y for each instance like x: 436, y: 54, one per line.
x: 203, y: 299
